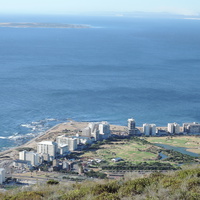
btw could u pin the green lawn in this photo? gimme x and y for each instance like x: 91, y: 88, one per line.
x: 192, y: 143
x: 130, y: 151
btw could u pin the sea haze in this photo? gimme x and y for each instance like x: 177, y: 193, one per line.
x: 121, y: 68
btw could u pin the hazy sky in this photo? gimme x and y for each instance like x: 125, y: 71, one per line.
x: 186, y: 7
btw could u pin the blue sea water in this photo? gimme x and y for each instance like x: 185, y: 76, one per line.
x: 123, y: 67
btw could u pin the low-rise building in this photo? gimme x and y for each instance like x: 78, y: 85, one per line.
x: 83, y: 139
x: 63, y: 149
x: 22, y: 164
x: 117, y: 159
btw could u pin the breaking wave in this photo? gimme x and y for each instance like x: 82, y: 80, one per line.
x: 28, y: 131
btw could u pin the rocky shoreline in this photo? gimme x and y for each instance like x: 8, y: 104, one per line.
x: 70, y: 128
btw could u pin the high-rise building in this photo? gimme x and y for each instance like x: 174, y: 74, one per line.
x: 170, y: 127
x: 86, y: 132
x: 47, y: 147
x: 149, y: 129
x: 153, y: 129
x: 146, y: 129
x: 104, y: 130
x: 94, y: 126
x: 2, y: 175
x: 98, y: 130
x: 31, y: 156
x: 191, y: 127
x: 173, y: 128
x: 131, y: 126
x: 67, y: 140
x: 72, y: 144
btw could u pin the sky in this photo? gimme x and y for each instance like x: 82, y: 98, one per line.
x: 183, y: 7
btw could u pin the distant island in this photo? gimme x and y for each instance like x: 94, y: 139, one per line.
x: 42, y: 25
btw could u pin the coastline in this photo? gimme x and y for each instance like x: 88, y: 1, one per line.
x: 70, y: 128
x: 27, y: 144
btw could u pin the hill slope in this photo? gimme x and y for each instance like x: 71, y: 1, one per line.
x: 183, y: 184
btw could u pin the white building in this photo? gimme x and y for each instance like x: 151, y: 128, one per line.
x: 191, y: 127
x: 65, y: 140
x: 63, y: 149
x: 22, y: 164
x: 86, y: 132
x: 149, y: 129
x: 104, y: 130
x: 2, y: 175
x: 47, y: 147
x: 153, y: 129
x: 83, y: 139
x: 173, y: 128
x: 31, y: 156
x: 170, y: 127
x: 94, y: 126
x: 146, y: 129
x: 131, y: 126
x: 72, y: 142
x: 98, y: 130
x: 117, y: 159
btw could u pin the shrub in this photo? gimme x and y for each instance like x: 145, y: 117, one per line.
x: 107, y: 196
x: 189, y: 172
x: 193, y: 182
x: 30, y: 195
x: 134, y: 187
x: 172, y: 182
x: 52, y: 182
x: 111, y: 187
x: 77, y: 193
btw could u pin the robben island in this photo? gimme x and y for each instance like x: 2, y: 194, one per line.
x: 76, y: 148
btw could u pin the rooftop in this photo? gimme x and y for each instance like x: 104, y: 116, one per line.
x: 47, y: 143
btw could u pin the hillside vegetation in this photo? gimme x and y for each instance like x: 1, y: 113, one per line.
x: 183, y: 184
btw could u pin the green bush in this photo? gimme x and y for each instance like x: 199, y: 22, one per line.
x: 134, y: 187
x: 172, y: 182
x: 111, y: 187
x: 52, y: 182
x: 30, y: 195
x: 193, y: 182
x: 107, y: 196
x: 189, y: 172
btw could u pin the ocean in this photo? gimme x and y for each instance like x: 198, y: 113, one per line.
x: 122, y: 67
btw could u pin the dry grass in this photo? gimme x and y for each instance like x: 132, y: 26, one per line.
x: 183, y: 184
